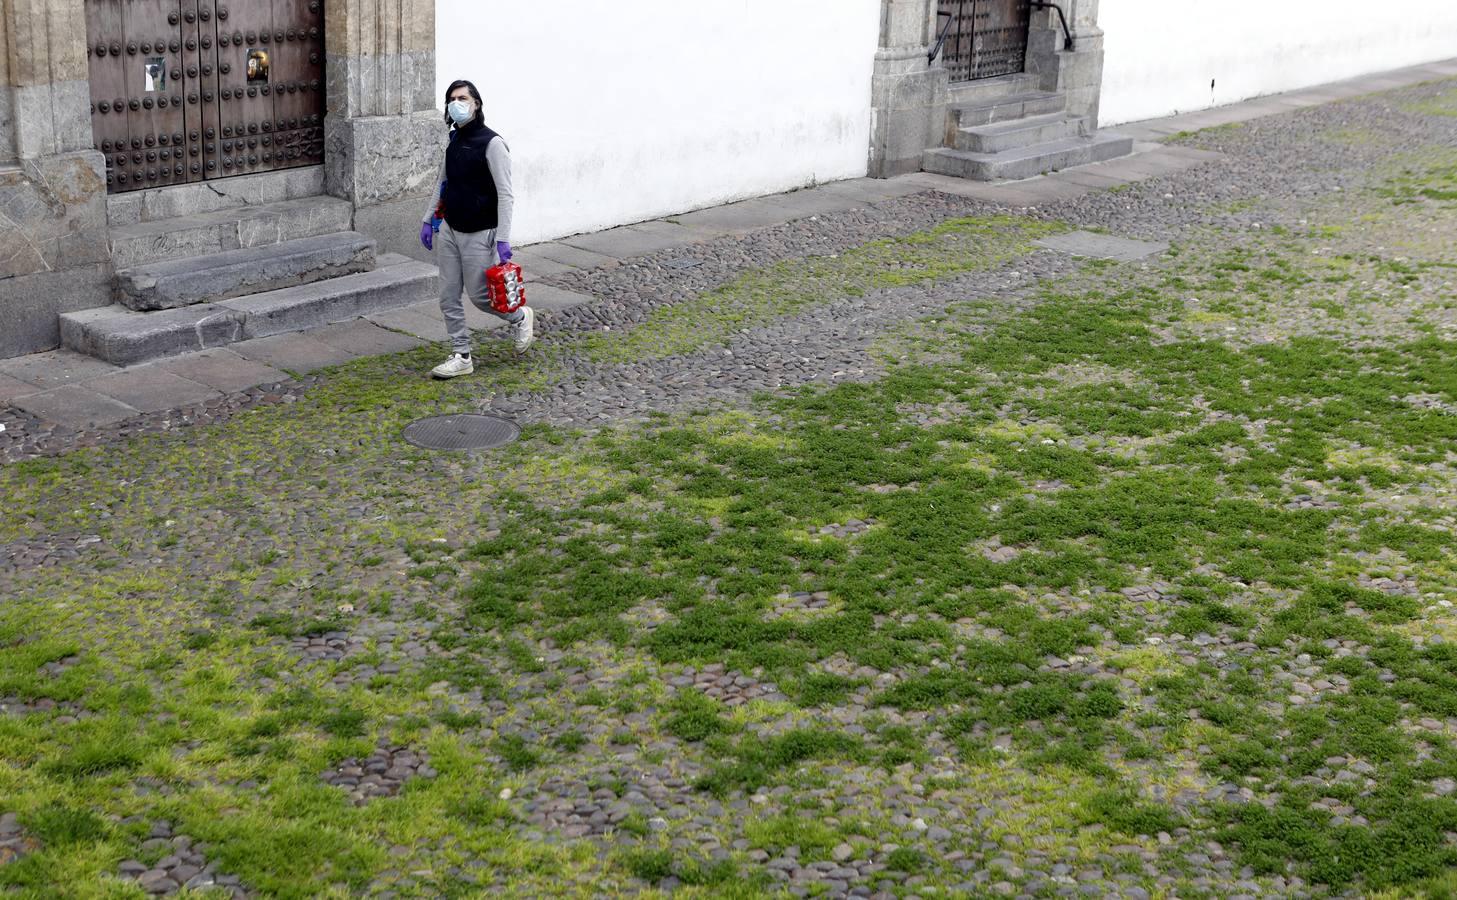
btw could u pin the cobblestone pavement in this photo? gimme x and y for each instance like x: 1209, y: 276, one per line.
x: 881, y: 553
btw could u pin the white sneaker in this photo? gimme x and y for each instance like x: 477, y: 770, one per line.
x: 456, y: 365
x: 523, y: 333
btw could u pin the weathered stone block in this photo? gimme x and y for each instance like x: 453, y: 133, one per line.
x: 7, y: 128
x: 52, y: 118
x: 905, y: 22
x: 54, y: 214
x: 419, y: 78
x: 901, y: 91
x: 383, y: 158
x: 123, y: 337
x: 30, y: 304
x: 908, y: 116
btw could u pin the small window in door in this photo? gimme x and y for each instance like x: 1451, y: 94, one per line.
x: 155, y: 71
x: 257, y: 66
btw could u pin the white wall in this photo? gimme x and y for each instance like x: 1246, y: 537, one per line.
x: 628, y: 110
x: 1160, y: 55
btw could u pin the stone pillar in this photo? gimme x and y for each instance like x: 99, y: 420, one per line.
x: 7, y: 104
x: 1083, y: 75
x: 53, y: 237
x: 383, y: 136
x: 908, y: 94
x: 1078, y: 73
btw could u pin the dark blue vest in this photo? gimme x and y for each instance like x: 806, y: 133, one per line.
x: 470, y: 190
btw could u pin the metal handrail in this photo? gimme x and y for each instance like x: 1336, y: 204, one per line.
x: 1067, y: 33
x: 940, y: 38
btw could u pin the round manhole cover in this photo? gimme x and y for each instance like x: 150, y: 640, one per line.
x: 461, y: 432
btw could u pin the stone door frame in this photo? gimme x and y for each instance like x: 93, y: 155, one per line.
x: 382, y: 142
x: 909, y: 94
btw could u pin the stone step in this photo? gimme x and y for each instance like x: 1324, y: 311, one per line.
x: 1025, y: 162
x: 125, y: 337
x: 1020, y: 133
x: 236, y: 273
x: 986, y: 90
x: 236, y: 191
x: 1004, y: 109
x: 228, y: 229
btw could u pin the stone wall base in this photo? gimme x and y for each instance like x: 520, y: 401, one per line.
x: 31, y: 304
x: 908, y: 109
x: 388, y: 167
x: 53, y: 246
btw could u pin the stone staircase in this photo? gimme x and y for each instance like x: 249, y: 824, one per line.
x: 217, y: 277
x: 1007, y: 128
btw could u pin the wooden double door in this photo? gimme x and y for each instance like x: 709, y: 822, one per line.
x: 986, y: 38
x: 188, y: 90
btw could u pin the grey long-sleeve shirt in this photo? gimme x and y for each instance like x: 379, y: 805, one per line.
x: 499, y: 157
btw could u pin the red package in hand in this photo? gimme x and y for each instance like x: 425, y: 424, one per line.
x: 506, y: 286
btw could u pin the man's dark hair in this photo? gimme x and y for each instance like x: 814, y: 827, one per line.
x: 480, y: 118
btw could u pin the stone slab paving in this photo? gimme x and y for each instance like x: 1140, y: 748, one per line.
x: 537, y: 265
x: 1102, y: 246
x: 869, y: 190
x: 1193, y: 153
x: 297, y: 352
x: 475, y: 318
x: 10, y: 388
x: 1143, y: 166
x: 814, y: 201
x: 634, y: 240
x: 364, y: 338
x: 54, y: 368
x: 422, y: 320
x: 150, y: 389
x: 222, y: 370
x: 575, y: 257
x: 1018, y: 194
x: 1090, y: 179
x: 1049, y: 190
x: 736, y: 218
x: 548, y: 297
x: 419, y: 319
x: 75, y: 406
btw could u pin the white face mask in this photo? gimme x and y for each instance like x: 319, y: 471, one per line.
x: 460, y: 111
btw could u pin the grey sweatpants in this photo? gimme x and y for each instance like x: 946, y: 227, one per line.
x: 463, y: 258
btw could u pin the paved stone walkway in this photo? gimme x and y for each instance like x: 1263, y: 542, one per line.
x: 54, y: 400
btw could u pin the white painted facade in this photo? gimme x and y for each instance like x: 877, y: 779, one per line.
x: 626, y: 111
x: 1160, y: 56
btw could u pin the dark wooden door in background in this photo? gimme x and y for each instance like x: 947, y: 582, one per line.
x: 185, y: 90
x: 987, y: 38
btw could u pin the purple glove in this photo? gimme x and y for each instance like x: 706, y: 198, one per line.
x: 427, y: 235
x: 503, y: 250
